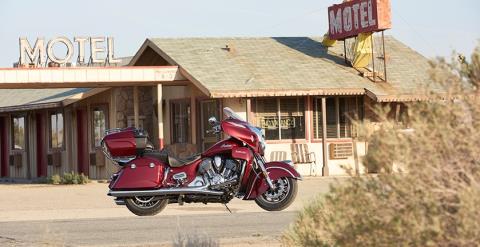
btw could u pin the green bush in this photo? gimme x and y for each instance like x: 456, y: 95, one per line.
x: 433, y: 199
x: 55, y: 179
x: 68, y: 178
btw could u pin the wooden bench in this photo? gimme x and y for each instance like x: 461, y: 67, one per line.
x: 301, y: 155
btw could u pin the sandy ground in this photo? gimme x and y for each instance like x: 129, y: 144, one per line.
x: 83, y: 215
x: 55, y: 202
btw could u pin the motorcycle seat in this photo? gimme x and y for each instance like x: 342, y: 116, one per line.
x: 177, y: 162
x: 165, y: 157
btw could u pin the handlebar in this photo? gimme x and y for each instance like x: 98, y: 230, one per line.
x: 215, y: 129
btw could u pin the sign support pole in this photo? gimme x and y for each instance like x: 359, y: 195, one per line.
x: 384, y: 58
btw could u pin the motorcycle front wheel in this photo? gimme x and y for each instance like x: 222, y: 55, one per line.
x: 279, y: 198
x: 145, y: 205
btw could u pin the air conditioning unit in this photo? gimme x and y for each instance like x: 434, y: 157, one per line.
x: 342, y: 150
x: 54, y: 159
x: 16, y: 160
x: 97, y: 158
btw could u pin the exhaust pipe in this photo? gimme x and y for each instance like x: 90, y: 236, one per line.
x: 162, y: 192
x: 119, y: 202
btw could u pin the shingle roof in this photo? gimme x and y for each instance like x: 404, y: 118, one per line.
x: 290, y: 65
x: 26, y: 97
x: 11, y: 99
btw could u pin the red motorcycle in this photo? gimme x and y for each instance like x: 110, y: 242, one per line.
x: 149, y: 179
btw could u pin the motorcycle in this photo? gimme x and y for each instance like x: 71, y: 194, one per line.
x: 149, y: 179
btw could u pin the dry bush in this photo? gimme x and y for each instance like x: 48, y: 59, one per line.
x: 434, y: 200
x: 183, y: 239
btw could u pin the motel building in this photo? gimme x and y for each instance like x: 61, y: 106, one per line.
x: 302, y: 93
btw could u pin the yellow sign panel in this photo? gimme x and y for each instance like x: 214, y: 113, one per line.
x: 272, y: 122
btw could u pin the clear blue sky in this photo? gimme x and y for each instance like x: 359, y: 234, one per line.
x: 432, y: 27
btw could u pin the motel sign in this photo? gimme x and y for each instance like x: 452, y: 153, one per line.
x: 39, y: 53
x: 358, y: 16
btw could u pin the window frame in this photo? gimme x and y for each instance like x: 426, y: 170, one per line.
x: 358, y: 105
x: 106, y: 110
x: 12, y: 135
x: 50, y: 131
x: 279, y: 116
x: 171, y: 104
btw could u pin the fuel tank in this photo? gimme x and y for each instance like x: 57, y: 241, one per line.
x: 223, y: 147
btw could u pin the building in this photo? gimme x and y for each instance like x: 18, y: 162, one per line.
x: 279, y: 84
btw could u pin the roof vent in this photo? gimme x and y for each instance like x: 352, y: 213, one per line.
x: 229, y: 48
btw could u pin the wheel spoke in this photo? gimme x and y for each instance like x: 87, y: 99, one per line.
x: 279, y: 193
x: 145, y: 201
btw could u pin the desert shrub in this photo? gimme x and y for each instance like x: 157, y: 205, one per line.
x: 54, y: 179
x: 68, y: 178
x: 194, y: 240
x: 434, y: 197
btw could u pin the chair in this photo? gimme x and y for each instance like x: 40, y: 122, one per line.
x: 278, y: 155
x: 301, y: 155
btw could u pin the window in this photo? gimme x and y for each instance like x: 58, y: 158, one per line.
x: 18, y: 125
x: 99, y: 122
x: 56, y: 130
x: 340, y: 112
x: 180, y: 121
x: 281, y: 118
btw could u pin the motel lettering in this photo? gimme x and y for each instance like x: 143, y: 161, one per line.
x: 39, y: 53
x: 359, y: 16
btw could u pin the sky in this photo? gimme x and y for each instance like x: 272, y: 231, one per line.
x: 433, y: 28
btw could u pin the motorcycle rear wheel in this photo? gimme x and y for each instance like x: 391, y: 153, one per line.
x: 145, y: 205
x: 281, y: 197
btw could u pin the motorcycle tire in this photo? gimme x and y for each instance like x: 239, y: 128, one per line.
x: 286, y: 201
x: 142, y: 210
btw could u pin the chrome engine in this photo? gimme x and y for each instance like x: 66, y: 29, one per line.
x: 217, y: 172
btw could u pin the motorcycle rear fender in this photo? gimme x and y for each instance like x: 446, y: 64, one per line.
x: 275, y: 170
x: 140, y: 173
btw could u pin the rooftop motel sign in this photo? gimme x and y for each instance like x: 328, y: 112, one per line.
x: 358, y: 16
x: 40, y: 52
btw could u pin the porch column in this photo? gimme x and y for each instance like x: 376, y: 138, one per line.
x: 308, y: 117
x: 135, y: 106
x: 249, y: 110
x: 193, y: 117
x: 324, y: 137
x: 160, y: 115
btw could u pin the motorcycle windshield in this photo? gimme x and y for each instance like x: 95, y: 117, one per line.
x: 229, y: 113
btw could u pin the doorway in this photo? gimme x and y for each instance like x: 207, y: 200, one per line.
x: 41, y: 151
x: 82, y: 142
x: 208, y: 108
x: 3, y: 148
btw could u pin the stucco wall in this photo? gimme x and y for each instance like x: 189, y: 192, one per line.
x: 238, y: 105
x: 336, y: 166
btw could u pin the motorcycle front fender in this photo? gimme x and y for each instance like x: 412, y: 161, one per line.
x: 275, y: 170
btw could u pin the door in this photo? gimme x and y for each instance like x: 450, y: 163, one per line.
x: 208, y: 108
x: 40, y: 149
x: 3, y: 148
x: 82, y: 142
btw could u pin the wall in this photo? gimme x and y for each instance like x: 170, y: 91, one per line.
x: 103, y: 168
x: 336, y: 166
x: 238, y: 105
